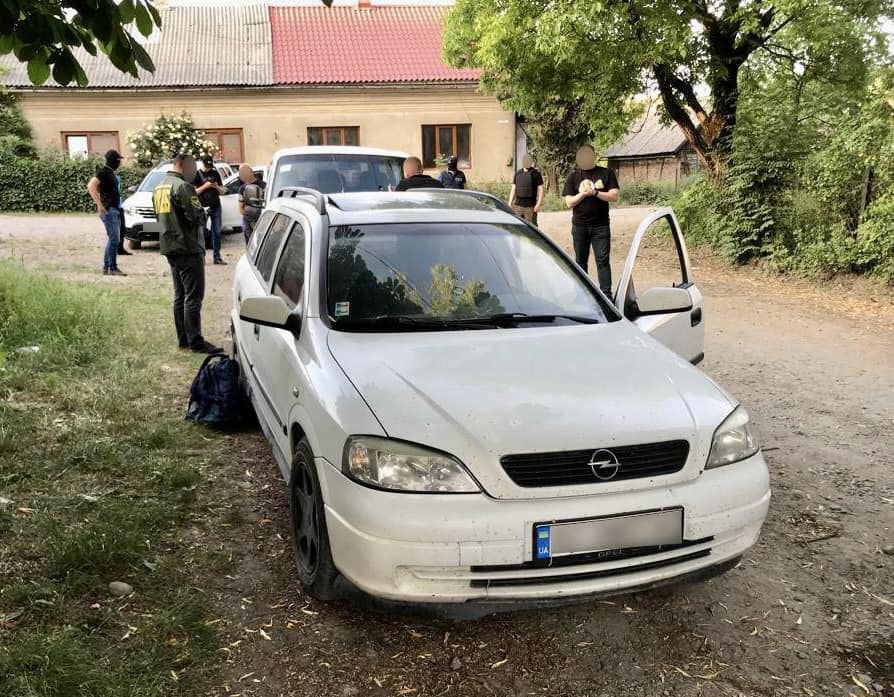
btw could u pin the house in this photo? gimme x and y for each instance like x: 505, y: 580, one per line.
x: 652, y: 152
x: 256, y: 78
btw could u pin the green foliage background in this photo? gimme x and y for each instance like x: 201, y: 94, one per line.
x: 167, y: 136
x: 51, y: 182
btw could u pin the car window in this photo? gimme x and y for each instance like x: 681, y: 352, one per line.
x: 331, y: 174
x: 270, y: 245
x: 257, y: 236
x: 289, y: 278
x: 152, y: 180
x: 232, y: 186
x: 452, y: 271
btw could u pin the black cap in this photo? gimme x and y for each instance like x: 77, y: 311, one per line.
x: 113, y: 158
x: 208, y: 161
x: 453, y: 162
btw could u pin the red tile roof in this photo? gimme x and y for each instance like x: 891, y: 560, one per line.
x: 351, y: 45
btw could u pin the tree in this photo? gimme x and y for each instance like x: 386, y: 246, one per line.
x: 168, y: 136
x: 45, y: 34
x: 605, y: 52
x: 15, y: 131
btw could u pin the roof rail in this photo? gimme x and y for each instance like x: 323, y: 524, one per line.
x: 319, y: 200
x: 497, y: 202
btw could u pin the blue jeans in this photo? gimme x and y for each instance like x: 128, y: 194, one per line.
x: 112, y: 222
x: 214, y: 215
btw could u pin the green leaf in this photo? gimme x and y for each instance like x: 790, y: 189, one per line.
x: 156, y: 17
x: 80, y: 75
x: 143, y: 19
x: 38, y: 70
x: 103, y: 26
x: 63, y: 67
x: 126, y: 10
x: 7, y: 41
x: 143, y: 59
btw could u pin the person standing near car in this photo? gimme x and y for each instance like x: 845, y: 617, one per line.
x: 526, y: 194
x: 452, y: 178
x: 209, y: 187
x: 103, y: 189
x: 251, y: 199
x: 588, y: 191
x: 182, y: 241
x: 415, y: 177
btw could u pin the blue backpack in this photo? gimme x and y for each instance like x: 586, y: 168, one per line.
x: 215, y: 397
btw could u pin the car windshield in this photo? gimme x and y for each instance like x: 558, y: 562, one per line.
x: 332, y: 174
x: 457, y: 275
x: 152, y: 180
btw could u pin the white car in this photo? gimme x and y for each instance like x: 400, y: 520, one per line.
x: 335, y: 168
x: 140, y: 221
x: 461, y: 415
x: 231, y: 219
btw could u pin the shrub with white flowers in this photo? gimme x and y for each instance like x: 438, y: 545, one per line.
x: 167, y: 136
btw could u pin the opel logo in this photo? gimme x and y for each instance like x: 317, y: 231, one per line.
x: 604, y: 464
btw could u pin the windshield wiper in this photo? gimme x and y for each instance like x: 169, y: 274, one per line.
x: 511, y: 319
x: 405, y: 323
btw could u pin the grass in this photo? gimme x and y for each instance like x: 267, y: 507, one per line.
x: 99, y: 474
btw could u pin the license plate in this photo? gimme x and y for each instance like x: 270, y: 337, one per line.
x: 610, y: 533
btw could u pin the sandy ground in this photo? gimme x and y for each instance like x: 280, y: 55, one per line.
x: 809, y: 611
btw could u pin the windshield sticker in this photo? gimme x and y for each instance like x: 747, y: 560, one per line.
x: 342, y: 309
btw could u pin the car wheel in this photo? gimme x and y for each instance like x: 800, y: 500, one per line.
x: 135, y: 244
x: 313, y: 557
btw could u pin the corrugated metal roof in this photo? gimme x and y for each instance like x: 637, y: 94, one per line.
x: 351, y: 45
x: 196, y: 46
x: 647, y: 136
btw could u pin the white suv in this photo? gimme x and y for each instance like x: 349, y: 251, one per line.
x: 140, y: 222
x: 461, y: 415
x: 335, y: 169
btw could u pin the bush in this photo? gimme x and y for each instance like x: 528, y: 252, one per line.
x: 551, y: 201
x: 51, y: 182
x: 647, y: 193
x: 168, y: 136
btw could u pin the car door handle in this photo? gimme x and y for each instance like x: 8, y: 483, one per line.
x: 696, y: 317
x: 257, y: 330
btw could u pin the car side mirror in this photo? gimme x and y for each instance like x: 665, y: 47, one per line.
x: 269, y: 311
x: 661, y: 301
x: 131, y: 190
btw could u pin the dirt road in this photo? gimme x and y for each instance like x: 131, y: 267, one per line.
x: 809, y: 611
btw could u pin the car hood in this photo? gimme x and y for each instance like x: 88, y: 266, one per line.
x: 138, y: 198
x: 482, y: 394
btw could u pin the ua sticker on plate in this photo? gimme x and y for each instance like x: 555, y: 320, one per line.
x: 342, y: 309
x: 541, y: 535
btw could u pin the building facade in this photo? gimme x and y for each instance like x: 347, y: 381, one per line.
x: 652, y: 151
x: 258, y: 78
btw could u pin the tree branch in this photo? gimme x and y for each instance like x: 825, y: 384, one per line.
x: 676, y: 111
x: 685, y: 89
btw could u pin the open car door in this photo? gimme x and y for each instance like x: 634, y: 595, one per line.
x: 665, y: 302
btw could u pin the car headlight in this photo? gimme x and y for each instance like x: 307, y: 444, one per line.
x: 399, y: 466
x: 734, y: 440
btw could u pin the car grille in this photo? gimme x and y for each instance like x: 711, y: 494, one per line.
x: 573, y: 466
x: 145, y: 211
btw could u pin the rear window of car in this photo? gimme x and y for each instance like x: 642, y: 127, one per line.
x: 332, y: 174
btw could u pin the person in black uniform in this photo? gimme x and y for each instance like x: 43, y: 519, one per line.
x: 415, y: 178
x: 588, y: 191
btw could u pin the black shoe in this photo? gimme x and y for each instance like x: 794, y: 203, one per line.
x: 123, y: 252
x: 182, y: 347
x: 116, y: 272
x: 105, y: 272
x: 220, y: 262
x: 205, y: 347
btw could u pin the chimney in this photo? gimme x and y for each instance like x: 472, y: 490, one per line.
x: 364, y: 4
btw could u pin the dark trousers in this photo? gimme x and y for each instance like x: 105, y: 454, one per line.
x: 600, y: 238
x: 188, y: 273
x: 214, y: 214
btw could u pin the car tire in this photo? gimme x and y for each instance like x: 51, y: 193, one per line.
x: 135, y: 244
x: 313, y: 556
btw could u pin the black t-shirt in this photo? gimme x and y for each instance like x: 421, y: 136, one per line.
x: 109, y: 195
x: 452, y: 180
x: 592, y: 210
x: 418, y: 181
x: 210, y: 198
x: 520, y: 182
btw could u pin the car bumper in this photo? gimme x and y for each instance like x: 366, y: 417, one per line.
x: 141, y: 229
x: 442, y: 548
